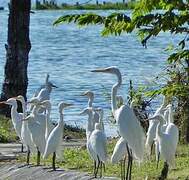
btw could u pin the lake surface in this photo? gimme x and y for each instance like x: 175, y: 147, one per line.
x: 69, y: 53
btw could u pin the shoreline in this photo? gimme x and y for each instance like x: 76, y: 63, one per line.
x: 105, y: 6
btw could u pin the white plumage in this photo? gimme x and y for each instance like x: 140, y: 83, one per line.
x: 55, y: 137
x: 119, y: 152
x: 98, y: 143
x: 167, y: 142
x: 15, y: 116
x: 128, y: 125
x: 95, y: 118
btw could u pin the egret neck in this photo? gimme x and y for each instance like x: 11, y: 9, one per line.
x: 89, y: 128
x: 114, y: 93
x: 90, y: 102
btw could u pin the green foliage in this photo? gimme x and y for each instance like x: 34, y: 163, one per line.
x: 7, y: 133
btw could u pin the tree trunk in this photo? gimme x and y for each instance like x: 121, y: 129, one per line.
x: 17, y: 51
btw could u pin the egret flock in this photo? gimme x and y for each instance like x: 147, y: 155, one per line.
x: 40, y: 136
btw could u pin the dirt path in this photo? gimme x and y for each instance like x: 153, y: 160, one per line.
x: 12, y: 170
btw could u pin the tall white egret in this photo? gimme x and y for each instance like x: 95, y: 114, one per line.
x: 36, y: 125
x: 90, y: 95
x: 128, y: 125
x: 25, y: 132
x: 119, y: 153
x: 98, y: 143
x: 151, y: 133
x: 55, y: 137
x: 15, y: 116
x: 167, y: 143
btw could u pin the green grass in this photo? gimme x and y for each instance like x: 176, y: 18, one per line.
x: 78, y: 159
x: 74, y: 132
x: 107, y: 6
x: 7, y: 133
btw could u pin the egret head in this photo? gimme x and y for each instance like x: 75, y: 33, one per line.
x: 110, y: 70
x: 89, y: 94
x: 168, y: 106
x: 20, y: 98
x: 86, y: 111
x: 46, y: 104
x: 63, y: 105
x: 157, y: 117
x: 49, y: 85
x: 34, y: 101
x: 10, y: 101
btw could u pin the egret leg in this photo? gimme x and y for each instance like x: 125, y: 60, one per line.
x: 94, y: 167
x: 28, y: 157
x: 124, y: 161
x: 38, y: 157
x: 100, y: 169
x: 131, y: 164
x: 53, y: 162
x: 22, y: 148
x: 158, y: 160
x: 151, y: 148
x: 104, y: 167
x: 121, y: 162
x: 164, y: 172
x: 97, y: 167
x: 128, y: 165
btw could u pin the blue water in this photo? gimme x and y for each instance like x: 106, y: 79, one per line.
x: 69, y: 53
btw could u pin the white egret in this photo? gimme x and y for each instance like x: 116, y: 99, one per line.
x: 25, y: 132
x: 36, y: 125
x: 167, y: 143
x: 55, y: 137
x: 49, y: 126
x: 90, y: 95
x: 98, y: 143
x: 89, y: 129
x: 119, y: 154
x: 101, y: 115
x: 44, y: 93
x: 171, y: 127
x: 15, y: 116
x: 151, y: 133
x: 128, y: 125
x: 156, y: 143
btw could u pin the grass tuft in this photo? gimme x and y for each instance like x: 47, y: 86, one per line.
x: 7, y: 133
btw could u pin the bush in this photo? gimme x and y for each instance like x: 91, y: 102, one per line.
x: 7, y: 133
